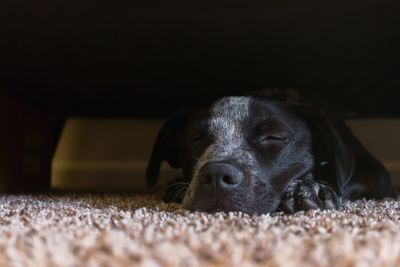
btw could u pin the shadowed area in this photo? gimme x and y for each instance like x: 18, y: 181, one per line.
x: 147, y: 58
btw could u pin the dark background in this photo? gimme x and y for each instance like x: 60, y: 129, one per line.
x: 147, y: 58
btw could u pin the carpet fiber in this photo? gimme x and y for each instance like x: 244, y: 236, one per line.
x: 110, y: 230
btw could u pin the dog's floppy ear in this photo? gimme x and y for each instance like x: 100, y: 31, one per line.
x: 333, y: 158
x: 167, y: 146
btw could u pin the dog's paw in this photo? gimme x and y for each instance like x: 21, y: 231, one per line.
x: 306, y: 195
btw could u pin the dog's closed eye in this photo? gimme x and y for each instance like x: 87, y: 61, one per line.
x: 271, y: 133
x: 274, y: 138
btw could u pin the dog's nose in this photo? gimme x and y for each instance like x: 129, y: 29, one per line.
x: 223, y: 175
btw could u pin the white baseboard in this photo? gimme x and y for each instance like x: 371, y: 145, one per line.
x: 107, y: 176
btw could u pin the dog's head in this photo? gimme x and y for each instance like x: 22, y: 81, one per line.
x: 241, y: 153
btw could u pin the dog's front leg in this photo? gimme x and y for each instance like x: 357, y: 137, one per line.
x: 308, y: 194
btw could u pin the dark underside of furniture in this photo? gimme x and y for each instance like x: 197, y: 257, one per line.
x: 148, y: 58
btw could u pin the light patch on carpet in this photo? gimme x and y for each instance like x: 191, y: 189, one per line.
x: 111, y: 230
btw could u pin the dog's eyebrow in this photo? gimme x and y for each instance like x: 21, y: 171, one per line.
x: 268, y: 122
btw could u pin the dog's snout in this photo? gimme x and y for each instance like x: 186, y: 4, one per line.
x: 223, y: 175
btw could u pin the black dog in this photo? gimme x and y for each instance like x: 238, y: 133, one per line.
x: 257, y: 155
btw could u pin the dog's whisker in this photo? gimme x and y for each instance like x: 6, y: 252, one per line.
x: 182, y: 190
x: 172, y: 185
x: 198, y: 160
x: 180, y: 194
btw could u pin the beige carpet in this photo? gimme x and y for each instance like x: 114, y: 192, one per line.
x: 94, y: 230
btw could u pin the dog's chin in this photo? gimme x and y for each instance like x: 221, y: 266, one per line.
x: 222, y: 206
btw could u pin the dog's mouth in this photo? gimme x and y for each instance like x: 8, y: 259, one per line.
x: 232, y: 203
